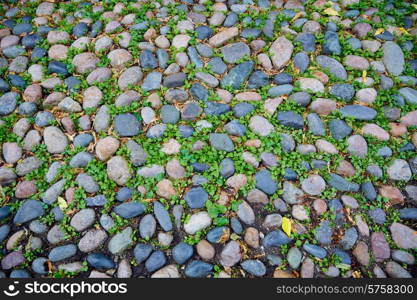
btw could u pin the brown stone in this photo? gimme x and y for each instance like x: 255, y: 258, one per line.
x: 106, y: 147
x: 257, y: 196
x: 345, y: 168
x: 307, y: 268
x: 69, y: 194
x: 320, y: 206
x: 174, y: 169
x: 252, y: 237
x: 223, y: 36
x: 321, y: 76
x: 33, y: 93
x: 323, y: 106
x: 205, y: 250
x: 361, y: 253
x: 165, y: 189
x: 376, y: 131
x: 85, y: 62
x: 380, y: 247
x: 25, y: 189
x: 237, y: 181
x: 410, y: 119
x: 283, y: 274
x: 391, y: 193
x: 68, y: 125
x: 397, y: 129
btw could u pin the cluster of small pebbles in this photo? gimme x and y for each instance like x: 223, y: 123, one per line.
x: 208, y: 138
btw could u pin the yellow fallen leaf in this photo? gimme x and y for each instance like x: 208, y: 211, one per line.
x: 356, y: 274
x: 297, y: 15
x: 364, y: 73
x: 62, y: 203
x: 414, y: 5
x: 403, y: 30
x: 331, y: 12
x: 286, y: 225
x: 379, y: 31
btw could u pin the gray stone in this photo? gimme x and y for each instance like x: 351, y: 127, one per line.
x: 121, y: 241
x: 55, y: 139
x: 333, y: 66
x: 83, y: 219
x: 233, y: 52
x: 222, y: 142
x: 393, y: 58
x: 237, y: 75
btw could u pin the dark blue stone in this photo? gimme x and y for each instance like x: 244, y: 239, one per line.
x: 301, y: 61
x: 156, y: 261
x: 337, y: 208
x: 29, y: 41
x: 196, y: 197
x: 242, y: 109
x: 283, y: 78
x: 237, y: 75
x: 124, y: 194
x: 20, y: 274
x: 227, y: 168
x: 275, y: 239
x: 57, y: 67
x: 204, y: 32
x: 200, y: 167
x: 339, y: 129
x: 368, y: 190
x: 290, y: 174
x: 315, y: 250
x: 129, y: 210
x: 198, y: 269
x: 162, y: 215
x: 80, y: 29
x: 73, y: 83
x: 4, y: 86
x: 182, y: 252
x: 236, y: 225
x: 341, y: 184
x: 216, y: 109
x: 96, y: 28
x: 307, y: 40
x: 98, y: 200
x: 194, y: 57
x: 265, y: 183
x: 142, y: 252
x: 343, y: 255
x: 290, y: 119
x: 4, y: 232
x: 257, y: 80
x: 30, y: 210
x: 100, y: 261
x: 17, y: 81
x: 217, y: 65
x: 4, y: 212
x: 215, y: 235
x: 37, y: 54
x: 186, y: 131
x: 27, y: 109
x: 408, y: 213
x: 83, y: 140
x: 199, y: 92
x: 148, y: 60
x: 230, y: 20
x: 22, y: 28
